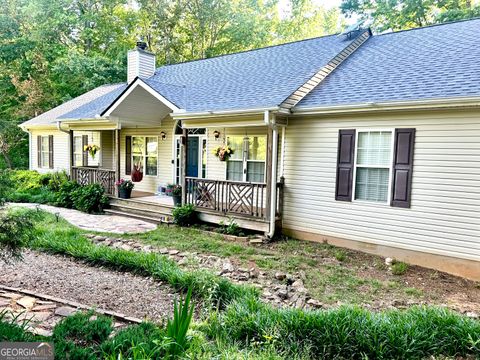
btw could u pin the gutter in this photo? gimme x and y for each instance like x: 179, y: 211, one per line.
x: 390, y: 105
x: 203, y: 114
x: 59, y: 128
x: 273, y: 175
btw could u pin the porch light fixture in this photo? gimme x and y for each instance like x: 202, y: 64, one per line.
x: 216, y: 133
x: 163, y: 135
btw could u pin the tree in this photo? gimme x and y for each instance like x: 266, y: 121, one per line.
x: 406, y: 14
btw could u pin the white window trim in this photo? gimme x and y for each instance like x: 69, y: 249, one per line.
x: 144, y: 154
x: 390, y: 167
x: 47, y: 152
x: 245, y: 161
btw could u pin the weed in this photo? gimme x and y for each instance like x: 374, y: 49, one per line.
x: 399, y: 268
x: 340, y: 255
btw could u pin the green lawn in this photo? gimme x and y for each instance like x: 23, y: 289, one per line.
x: 331, y: 274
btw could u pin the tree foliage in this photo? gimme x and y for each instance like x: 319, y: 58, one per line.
x: 406, y: 14
x: 54, y: 50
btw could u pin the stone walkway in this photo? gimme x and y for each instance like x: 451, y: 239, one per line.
x: 102, y: 223
x: 97, y: 287
x: 40, y: 313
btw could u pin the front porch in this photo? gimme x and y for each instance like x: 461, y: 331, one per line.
x: 165, y: 149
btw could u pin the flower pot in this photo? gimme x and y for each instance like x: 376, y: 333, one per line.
x: 177, y: 199
x: 124, y: 193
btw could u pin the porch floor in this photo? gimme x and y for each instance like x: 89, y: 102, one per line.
x: 152, y: 198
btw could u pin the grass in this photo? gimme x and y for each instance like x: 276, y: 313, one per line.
x: 330, y: 274
x: 242, y: 327
x: 349, y: 332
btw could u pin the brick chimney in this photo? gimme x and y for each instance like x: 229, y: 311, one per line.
x: 140, y: 62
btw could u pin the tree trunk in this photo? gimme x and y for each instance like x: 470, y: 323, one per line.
x: 7, y: 160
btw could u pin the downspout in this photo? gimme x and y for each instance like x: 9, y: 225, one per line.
x: 70, y: 145
x: 273, y: 175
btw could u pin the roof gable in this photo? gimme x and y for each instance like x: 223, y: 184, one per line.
x: 434, y: 62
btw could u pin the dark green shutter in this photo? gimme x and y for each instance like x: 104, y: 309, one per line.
x: 50, y: 151
x: 402, y: 167
x: 128, y: 155
x: 345, y: 161
x: 39, y: 151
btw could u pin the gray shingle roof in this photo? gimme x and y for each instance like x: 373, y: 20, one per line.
x: 51, y: 116
x: 251, y: 79
x: 433, y: 62
x: 95, y: 107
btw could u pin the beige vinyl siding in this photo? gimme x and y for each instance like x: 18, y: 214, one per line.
x: 61, y: 146
x: 444, y: 217
x: 165, y: 156
x: 108, y: 149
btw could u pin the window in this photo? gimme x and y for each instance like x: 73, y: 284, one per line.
x: 145, y: 154
x: 80, y: 139
x: 373, y: 165
x: 78, y: 151
x: 248, y: 160
x: 44, y: 152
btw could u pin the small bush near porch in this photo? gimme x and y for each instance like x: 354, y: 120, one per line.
x: 26, y: 186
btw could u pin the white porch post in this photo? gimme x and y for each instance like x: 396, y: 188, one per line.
x: 117, y: 158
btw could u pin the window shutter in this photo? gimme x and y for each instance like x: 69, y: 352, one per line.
x: 345, y: 161
x: 50, y: 151
x: 39, y: 151
x: 84, y: 153
x: 128, y: 155
x: 402, y: 167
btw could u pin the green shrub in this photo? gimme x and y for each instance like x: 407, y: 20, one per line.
x: 185, y: 215
x: 24, y: 180
x: 177, y: 327
x: 232, y: 228
x: 64, y: 196
x: 399, y: 268
x: 142, y: 338
x: 16, y: 230
x: 57, y: 179
x: 349, y: 333
x: 79, y: 331
x: 90, y: 198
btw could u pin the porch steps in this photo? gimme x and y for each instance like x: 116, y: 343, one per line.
x: 141, y: 210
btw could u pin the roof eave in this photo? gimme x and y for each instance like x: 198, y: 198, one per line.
x: 218, y: 113
x: 438, y: 103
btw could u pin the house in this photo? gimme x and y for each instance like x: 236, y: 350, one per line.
x: 370, y: 142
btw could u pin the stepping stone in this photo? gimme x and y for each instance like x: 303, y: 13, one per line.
x: 173, y: 252
x: 11, y: 295
x: 27, y: 302
x: 163, y: 251
x: 40, y: 316
x: 44, y: 307
x: 65, y: 311
x: 4, y: 302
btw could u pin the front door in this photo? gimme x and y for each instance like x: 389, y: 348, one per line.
x: 192, y: 156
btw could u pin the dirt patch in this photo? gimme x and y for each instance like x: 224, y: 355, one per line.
x: 59, y: 276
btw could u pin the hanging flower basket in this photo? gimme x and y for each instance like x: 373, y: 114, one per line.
x: 137, y: 174
x: 92, y: 149
x: 223, y: 152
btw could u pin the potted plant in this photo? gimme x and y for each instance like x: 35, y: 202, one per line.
x: 92, y: 149
x: 223, y: 152
x: 124, y: 188
x: 177, y: 195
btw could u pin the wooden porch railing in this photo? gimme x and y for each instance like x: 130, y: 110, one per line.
x: 91, y: 175
x: 231, y: 197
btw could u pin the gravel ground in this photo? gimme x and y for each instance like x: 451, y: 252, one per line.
x: 65, y: 278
